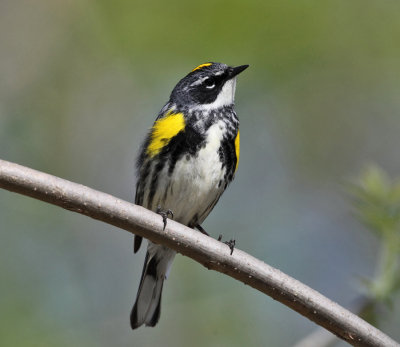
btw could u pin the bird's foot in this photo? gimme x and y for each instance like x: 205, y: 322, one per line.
x: 165, y: 214
x: 231, y: 243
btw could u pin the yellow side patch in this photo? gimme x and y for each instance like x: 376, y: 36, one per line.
x: 201, y: 66
x: 163, y: 131
x: 237, y: 149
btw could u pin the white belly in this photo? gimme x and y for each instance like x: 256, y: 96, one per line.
x: 196, y: 182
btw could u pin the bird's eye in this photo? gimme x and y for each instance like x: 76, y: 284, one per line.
x: 209, y: 83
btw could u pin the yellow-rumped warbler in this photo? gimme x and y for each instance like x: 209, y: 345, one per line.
x: 187, y: 160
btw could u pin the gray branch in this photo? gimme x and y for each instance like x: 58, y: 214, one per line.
x: 203, y: 249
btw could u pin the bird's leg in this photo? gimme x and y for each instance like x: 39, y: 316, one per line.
x: 231, y: 243
x: 165, y: 214
x: 200, y: 228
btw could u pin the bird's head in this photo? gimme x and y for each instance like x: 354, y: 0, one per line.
x: 208, y: 86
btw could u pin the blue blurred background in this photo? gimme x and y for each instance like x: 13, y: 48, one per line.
x: 80, y: 84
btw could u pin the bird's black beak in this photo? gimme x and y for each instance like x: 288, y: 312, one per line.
x: 237, y: 70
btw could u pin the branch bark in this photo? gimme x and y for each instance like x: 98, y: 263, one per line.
x: 203, y: 249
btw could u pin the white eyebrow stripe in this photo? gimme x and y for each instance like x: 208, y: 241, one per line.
x: 199, y: 81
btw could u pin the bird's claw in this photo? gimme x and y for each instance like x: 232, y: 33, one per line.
x: 231, y: 243
x: 165, y: 214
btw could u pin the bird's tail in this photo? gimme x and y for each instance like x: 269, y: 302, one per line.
x: 148, y: 300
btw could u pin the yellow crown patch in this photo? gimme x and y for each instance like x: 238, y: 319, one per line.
x: 201, y: 66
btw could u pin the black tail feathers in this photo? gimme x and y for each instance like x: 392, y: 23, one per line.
x: 147, y: 307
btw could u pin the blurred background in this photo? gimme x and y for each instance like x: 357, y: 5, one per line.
x: 80, y: 84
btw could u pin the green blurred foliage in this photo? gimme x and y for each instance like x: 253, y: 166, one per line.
x: 81, y: 82
x: 378, y: 206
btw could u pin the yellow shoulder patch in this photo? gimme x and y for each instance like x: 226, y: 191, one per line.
x: 201, y: 66
x: 237, y: 149
x: 163, y: 131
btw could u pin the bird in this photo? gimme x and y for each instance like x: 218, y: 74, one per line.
x: 187, y: 160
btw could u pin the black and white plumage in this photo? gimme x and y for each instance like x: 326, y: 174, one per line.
x: 186, y: 162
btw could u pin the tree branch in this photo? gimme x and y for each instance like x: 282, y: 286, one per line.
x: 205, y: 250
